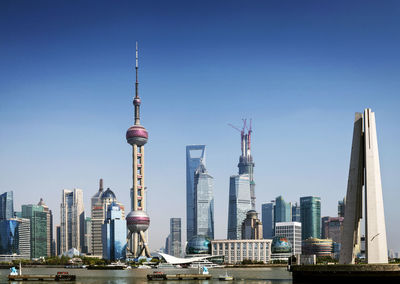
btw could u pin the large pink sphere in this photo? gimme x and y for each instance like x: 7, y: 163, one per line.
x: 137, y: 221
x: 137, y: 135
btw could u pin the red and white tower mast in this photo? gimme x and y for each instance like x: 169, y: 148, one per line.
x: 137, y: 220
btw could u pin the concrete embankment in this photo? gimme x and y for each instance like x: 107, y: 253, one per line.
x: 367, y: 273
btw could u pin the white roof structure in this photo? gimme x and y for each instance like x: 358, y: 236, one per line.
x: 178, y: 260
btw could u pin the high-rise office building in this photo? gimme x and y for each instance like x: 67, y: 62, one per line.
x: 6, y: 205
x: 291, y: 231
x: 87, y: 248
x: 295, y: 212
x: 15, y: 238
x: 203, y: 203
x: 175, y: 238
x: 49, y: 214
x: 246, y: 164
x: 283, y: 210
x: 99, y: 203
x: 195, y: 155
x: 58, y: 240
x: 72, y: 220
x: 252, y: 227
x: 310, y: 216
x: 341, y: 204
x: 167, y: 244
x: 114, y: 233
x: 332, y: 228
x: 38, y: 220
x: 267, y: 217
x: 239, y: 204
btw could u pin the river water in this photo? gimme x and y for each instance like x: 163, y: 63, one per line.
x: 269, y: 275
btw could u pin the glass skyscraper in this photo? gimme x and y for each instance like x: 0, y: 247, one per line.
x: 295, y: 212
x: 283, y: 210
x: 6, y: 205
x: 175, y: 243
x: 310, y: 216
x: 203, y: 203
x: 267, y: 218
x: 239, y: 204
x: 195, y: 154
x: 15, y: 237
x: 38, y: 218
x: 114, y: 233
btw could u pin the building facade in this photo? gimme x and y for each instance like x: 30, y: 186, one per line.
x: 291, y: 231
x: 99, y: 204
x: 114, y: 234
x: 283, y: 210
x: 235, y: 251
x: 72, y: 217
x: 267, y: 214
x: 7, y: 205
x: 175, y: 237
x: 252, y: 228
x: 341, y: 204
x: 15, y: 238
x: 87, y: 248
x: 195, y: 155
x: 310, y: 216
x: 203, y: 202
x: 295, y: 212
x: 58, y: 240
x: 49, y: 227
x: 38, y: 229
x: 319, y: 247
x: 332, y: 228
x: 239, y: 204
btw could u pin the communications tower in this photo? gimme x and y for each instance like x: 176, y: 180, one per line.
x: 137, y: 220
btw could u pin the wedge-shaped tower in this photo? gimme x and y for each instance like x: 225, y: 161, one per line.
x: 364, y: 173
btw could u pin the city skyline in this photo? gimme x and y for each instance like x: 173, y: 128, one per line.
x: 68, y: 88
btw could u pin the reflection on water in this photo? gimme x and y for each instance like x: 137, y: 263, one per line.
x: 138, y: 276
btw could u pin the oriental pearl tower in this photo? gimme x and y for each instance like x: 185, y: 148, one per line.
x: 137, y: 220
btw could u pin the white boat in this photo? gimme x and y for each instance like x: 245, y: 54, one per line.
x: 204, y: 263
x: 165, y: 265
x: 225, y: 277
x: 143, y: 266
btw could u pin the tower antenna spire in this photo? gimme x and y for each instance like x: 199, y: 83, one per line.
x: 136, y: 101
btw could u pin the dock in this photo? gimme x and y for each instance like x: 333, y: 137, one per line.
x: 38, y: 277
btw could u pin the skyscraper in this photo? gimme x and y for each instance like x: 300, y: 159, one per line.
x: 137, y: 220
x: 252, y: 227
x: 58, y: 240
x: 295, y: 212
x: 239, y: 204
x: 267, y: 215
x: 49, y: 222
x: 292, y: 231
x: 88, y: 235
x: 310, y: 216
x: 195, y: 154
x: 100, y: 202
x: 72, y: 217
x: 341, y: 204
x: 114, y: 233
x: 15, y: 237
x: 283, y: 210
x: 203, y: 203
x: 6, y: 205
x: 332, y: 228
x: 38, y: 229
x: 246, y: 164
x: 175, y: 243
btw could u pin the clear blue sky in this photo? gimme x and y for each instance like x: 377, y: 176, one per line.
x: 299, y: 69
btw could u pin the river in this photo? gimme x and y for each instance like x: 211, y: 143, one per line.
x: 270, y: 275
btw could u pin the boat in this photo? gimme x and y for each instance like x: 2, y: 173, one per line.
x: 204, y: 263
x: 225, y: 277
x: 143, y: 266
x: 165, y: 266
x: 157, y: 275
x: 16, y: 275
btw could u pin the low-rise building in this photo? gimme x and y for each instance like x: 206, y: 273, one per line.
x: 319, y: 247
x: 235, y: 251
